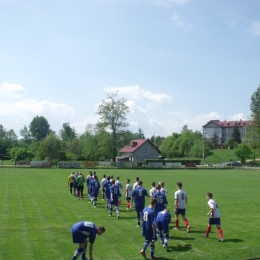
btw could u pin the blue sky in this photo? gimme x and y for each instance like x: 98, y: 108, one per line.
x: 177, y: 62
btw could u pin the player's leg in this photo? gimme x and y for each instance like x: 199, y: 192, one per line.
x: 185, y: 220
x: 152, y: 249
x: 71, y: 185
x: 138, y: 216
x: 145, y: 245
x: 95, y: 201
x: 117, y: 209
x: 220, y: 232
x: 77, y: 237
x: 176, y: 220
x: 83, y: 255
x: 110, y: 206
x: 208, y: 228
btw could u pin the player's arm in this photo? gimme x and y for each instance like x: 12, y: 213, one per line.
x: 90, y: 251
x: 176, y: 202
x: 211, y: 211
x: 154, y: 230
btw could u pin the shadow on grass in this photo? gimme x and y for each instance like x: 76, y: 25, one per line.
x: 181, y: 238
x: 179, y: 248
x: 234, y: 241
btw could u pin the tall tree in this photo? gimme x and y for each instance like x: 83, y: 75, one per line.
x: 25, y: 133
x: 67, y: 132
x: 235, y: 135
x: 39, y: 128
x: 112, y: 113
x: 243, y: 152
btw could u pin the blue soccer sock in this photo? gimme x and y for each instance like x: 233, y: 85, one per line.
x: 77, y: 253
x: 83, y: 255
x: 117, y: 210
x: 152, y: 247
x: 146, y: 243
x: 138, y: 218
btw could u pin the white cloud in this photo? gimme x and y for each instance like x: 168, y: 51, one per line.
x: 12, y: 90
x: 179, y: 22
x: 255, y: 28
x: 80, y: 126
x: 139, y: 94
x: 237, y: 117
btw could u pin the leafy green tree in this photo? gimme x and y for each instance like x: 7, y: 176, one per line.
x: 75, y: 147
x: 112, y: 113
x: 8, y: 139
x: 51, y: 148
x: 243, y: 152
x: 252, y: 139
x: 20, y: 153
x: 235, y: 135
x: 67, y: 132
x: 39, y: 128
x: 25, y: 133
x: 140, y: 134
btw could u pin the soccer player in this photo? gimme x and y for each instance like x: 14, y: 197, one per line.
x: 181, y: 199
x: 70, y: 182
x: 138, y: 196
x: 102, y: 185
x: 153, y: 189
x: 214, y: 217
x: 136, y: 182
x: 119, y: 184
x: 149, y: 229
x: 95, y: 187
x: 75, y: 184
x: 128, y: 194
x: 114, y: 197
x: 82, y: 233
x: 89, y: 180
x: 161, y: 200
x: 80, y: 185
x: 162, y: 221
x: 163, y: 190
x: 106, y: 188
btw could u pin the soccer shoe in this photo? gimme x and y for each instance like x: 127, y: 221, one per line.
x: 110, y: 214
x: 204, y: 235
x: 118, y: 216
x: 188, y: 229
x: 176, y: 228
x: 221, y: 240
x: 142, y: 252
x: 106, y: 207
x: 94, y: 207
x: 138, y: 226
x: 153, y: 258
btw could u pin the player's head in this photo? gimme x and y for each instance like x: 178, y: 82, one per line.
x: 117, y: 177
x: 153, y: 184
x: 140, y: 183
x: 95, y: 177
x: 137, y: 179
x: 209, y: 195
x: 100, y: 230
x: 127, y: 180
x: 153, y: 202
x: 113, y: 181
x: 111, y: 177
x: 179, y: 185
x: 108, y: 178
x: 158, y: 187
x: 161, y: 183
x: 104, y: 176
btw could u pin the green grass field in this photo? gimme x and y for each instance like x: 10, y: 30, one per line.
x: 37, y: 213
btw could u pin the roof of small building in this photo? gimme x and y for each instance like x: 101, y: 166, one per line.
x: 135, y: 144
x: 225, y: 124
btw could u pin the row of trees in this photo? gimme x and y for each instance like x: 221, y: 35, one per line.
x: 103, y: 140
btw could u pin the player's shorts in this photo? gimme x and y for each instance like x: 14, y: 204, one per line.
x: 163, y: 226
x: 127, y: 198
x: 95, y: 195
x: 80, y: 188
x: 150, y: 238
x: 114, y: 203
x: 139, y: 209
x: 180, y: 211
x: 214, y: 221
x: 78, y: 237
x: 71, y: 185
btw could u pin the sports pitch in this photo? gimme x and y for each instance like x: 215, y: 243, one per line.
x: 37, y: 212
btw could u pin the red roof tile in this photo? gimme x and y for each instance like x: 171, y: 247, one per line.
x: 133, y: 145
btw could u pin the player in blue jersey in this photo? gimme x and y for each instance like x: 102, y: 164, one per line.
x: 89, y: 181
x: 82, y: 233
x: 149, y: 229
x: 106, y: 188
x: 138, y: 196
x: 114, y: 198
x: 161, y: 200
x: 163, y: 220
x: 95, y: 187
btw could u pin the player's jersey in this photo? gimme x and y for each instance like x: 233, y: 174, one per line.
x: 89, y: 180
x: 152, y: 191
x: 139, y: 194
x: 119, y: 185
x: 88, y: 229
x: 106, y: 188
x: 103, y: 181
x: 161, y: 202
x: 114, y: 191
x: 164, y: 191
x: 71, y: 179
x: 213, y: 204
x: 181, y: 197
x: 148, y: 218
x: 128, y: 188
x: 135, y: 185
x: 75, y: 180
x: 80, y: 180
x: 163, y: 217
x: 95, y: 187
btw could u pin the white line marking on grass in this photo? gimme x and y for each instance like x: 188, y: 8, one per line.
x: 195, y: 249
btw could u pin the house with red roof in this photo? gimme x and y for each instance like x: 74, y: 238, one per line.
x: 221, y: 131
x: 138, y: 151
